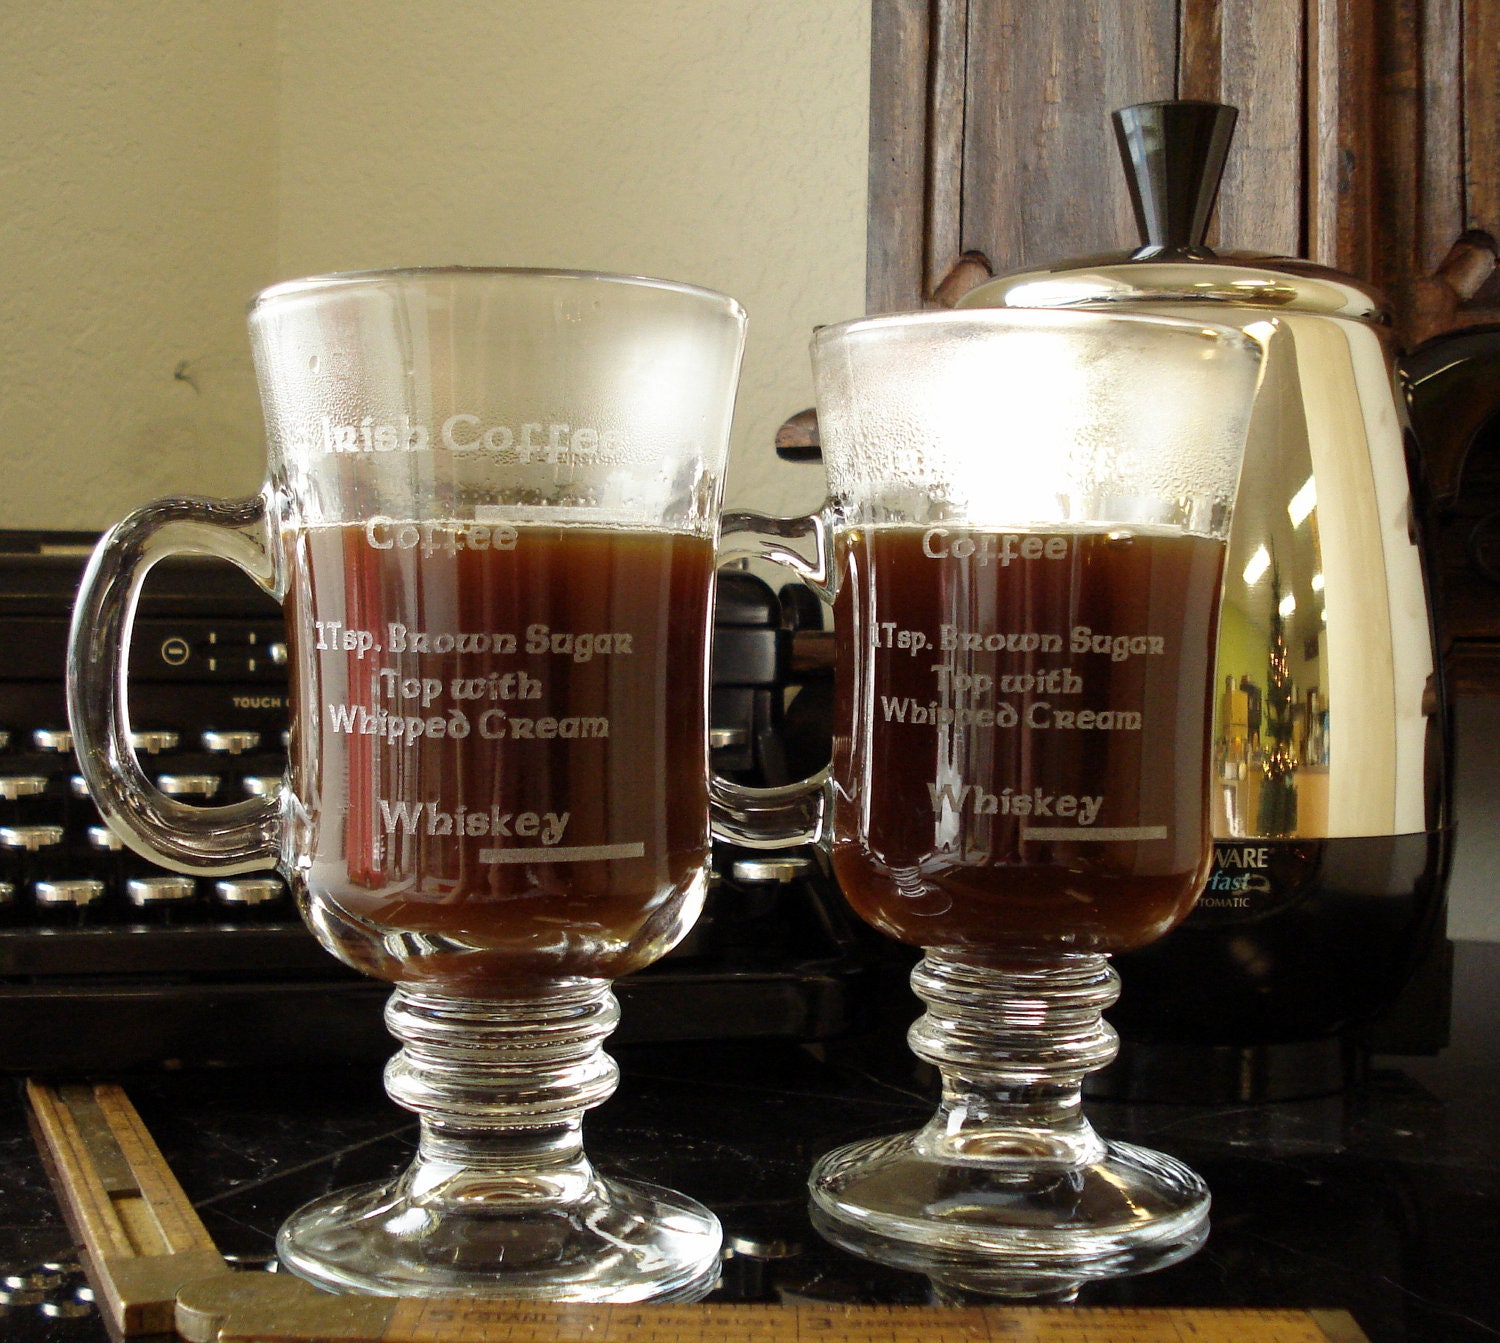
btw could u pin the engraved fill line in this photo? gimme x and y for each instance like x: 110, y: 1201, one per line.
x: 1096, y: 833
x: 581, y: 853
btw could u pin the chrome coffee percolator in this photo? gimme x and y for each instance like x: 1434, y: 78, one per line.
x: 1330, y: 808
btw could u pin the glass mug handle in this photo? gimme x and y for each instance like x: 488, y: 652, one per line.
x: 240, y: 837
x: 245, y: 836
x: 793, y: 813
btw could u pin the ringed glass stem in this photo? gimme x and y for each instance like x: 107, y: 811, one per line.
x: 500, y: 1088
x: 1013, y: 1045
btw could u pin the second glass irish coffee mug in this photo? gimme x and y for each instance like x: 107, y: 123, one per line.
x: 490, y: 514
x: 1027, y: 515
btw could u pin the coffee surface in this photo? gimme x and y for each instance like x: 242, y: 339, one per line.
x: 501, y: 743
x: 1021, y: 758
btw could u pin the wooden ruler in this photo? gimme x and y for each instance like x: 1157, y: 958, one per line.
x: 155, y: 1269
x: 140, y: 1236
x: 295, y: 1319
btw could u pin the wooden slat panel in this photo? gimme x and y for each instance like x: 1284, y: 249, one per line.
x: 1341, y: 152
x: 1369, y: 133
x: 1396, y: 142
x: 1200, y: 38
x: 1441, y: 189
x: 897, y: 211
x: 946, y: 111
x: 1261, y: 202
x: 1481, y: 43
x: 1042, y: 179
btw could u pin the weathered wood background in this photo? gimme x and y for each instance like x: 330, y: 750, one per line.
x: 1368, y: 140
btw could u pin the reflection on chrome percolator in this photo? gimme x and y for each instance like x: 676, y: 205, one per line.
x: 1330, y: 821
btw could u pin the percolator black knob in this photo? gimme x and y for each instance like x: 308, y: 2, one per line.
x: 1174, y: 155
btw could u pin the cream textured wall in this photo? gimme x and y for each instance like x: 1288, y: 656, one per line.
x: 721, y: 142
x: 137, y: 210
x: 163, y: 160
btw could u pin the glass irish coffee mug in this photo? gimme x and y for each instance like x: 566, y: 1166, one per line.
x: 1027, y: 517
x: 490, y: 514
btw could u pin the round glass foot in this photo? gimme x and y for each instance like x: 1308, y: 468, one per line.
x: 500, y: 1199
x: 622, y: 1241
x: 1006, y: 1228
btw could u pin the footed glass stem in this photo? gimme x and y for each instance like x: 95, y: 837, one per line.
x: 501, y: 1200
x: 1008, y: 1189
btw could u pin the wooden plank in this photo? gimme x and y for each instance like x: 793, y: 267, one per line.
x: 1200, y: 40
x: 946, y: 101
x: 1042, y: 179
x: 1341, y: 142
x: 1261, y: 202
x: 1481, y: 114
x: 1441, y: 188
x: 1397, y: 144
x: 897, y: 209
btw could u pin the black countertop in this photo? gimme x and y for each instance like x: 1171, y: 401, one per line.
x: 1383, y: 1200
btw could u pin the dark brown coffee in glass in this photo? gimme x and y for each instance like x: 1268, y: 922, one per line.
x: 502, y: 728
x: 1026, y: 768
